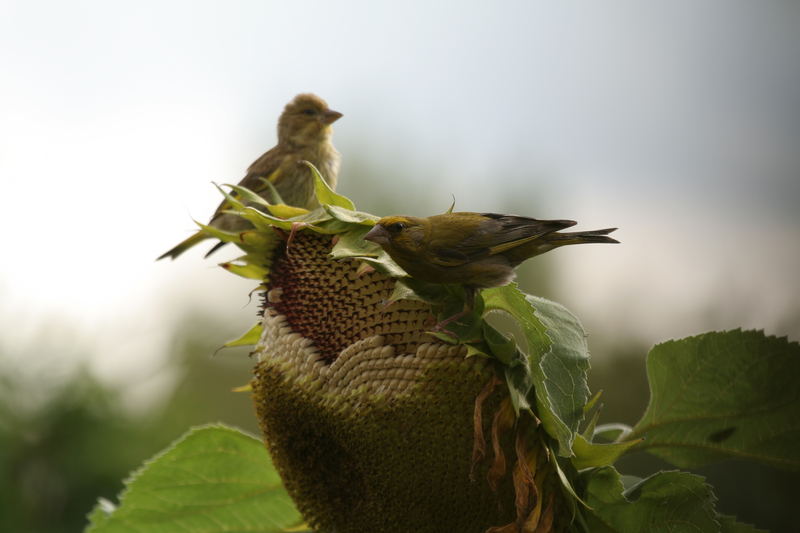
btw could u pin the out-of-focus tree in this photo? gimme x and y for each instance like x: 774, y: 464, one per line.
x: 78, y: 440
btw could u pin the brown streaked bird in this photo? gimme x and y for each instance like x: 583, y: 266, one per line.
x: 477, y: 250
x: 304, y: 133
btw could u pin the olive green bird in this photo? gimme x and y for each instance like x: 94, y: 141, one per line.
x: 477, y: 250
x: 304, y: 134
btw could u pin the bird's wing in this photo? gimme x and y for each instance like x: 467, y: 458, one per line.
x: 447, y: 257
x: 496, y: 233
x: 264, y: 170
x: 456, y: 239
x: 500, y: 233
x: 267, y: 167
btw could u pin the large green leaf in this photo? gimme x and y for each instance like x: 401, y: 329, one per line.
x: 719, y: 395
x: 214, y: 479
x: 670, y: 502
x: 557, y: 359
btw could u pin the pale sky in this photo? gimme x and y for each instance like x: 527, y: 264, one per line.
x: 678, y: 122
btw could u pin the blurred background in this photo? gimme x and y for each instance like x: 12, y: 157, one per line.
x: 678, y: 122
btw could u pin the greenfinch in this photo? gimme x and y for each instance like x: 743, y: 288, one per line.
x: 304, y: 133
x: 476, y: 250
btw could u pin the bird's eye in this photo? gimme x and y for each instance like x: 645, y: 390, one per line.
x: 395, y: 227
x: 309, y: 112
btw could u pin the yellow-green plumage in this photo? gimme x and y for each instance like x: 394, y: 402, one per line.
x: 477, y: 250
x: 304, y: 134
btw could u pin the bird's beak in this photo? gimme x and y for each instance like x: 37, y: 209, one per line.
x: 330, y: 116
x: 378, y: 235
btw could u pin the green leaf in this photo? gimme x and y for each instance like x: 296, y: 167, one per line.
x: 261, y: 220
x: 286, y: 211
x: 214, y: 479
x: 476, y: 351
x: 452, y: 206
x: 385, y: 265
x: 352, y: 244
x: 593, y: 401
x: 590, y: 454
x: 224, y: 236
x: 251, y: 241
x: 592, y: 406
x: 248, y: 266
x: 250, y: 338
x: 350, y: 216
x: 317, y: 217
x: 247, y: 195
x: 326, y: 195
x: 721, y: 395
x: 519, y: 382
x: 403, y: 291
x: 588, y: 431
x: 730, y: 525
x: 331, y: 226
x: 566, y: 364
x: 435, y: 293
x: 101, y: 512
x: 566, y: 483
x: 273, y: 191
x: 556, y: 359
x: 235, y: 202
x: 502, y: 347
x: 669, y: 502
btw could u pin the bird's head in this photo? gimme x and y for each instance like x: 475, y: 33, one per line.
x: 306, y: 120
x: 398, y: 233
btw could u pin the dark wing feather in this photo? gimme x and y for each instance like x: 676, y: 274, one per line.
x: 267, y: 167
x: 264, y: 167
x: 485, y: 234
x: 497, y: 233
x: 447, y: 257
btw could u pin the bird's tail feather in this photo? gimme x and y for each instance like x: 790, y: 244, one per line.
x: 582, y: 237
